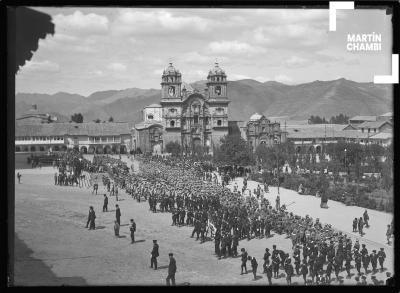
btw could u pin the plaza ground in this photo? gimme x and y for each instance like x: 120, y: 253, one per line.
x: 53, y: 247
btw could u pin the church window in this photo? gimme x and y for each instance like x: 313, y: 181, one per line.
x: 219, y: 122
x: 150, y: 116
x: 172, y: 123
x: 196, y: 119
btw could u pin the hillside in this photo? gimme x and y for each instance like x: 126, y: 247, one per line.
x: 297, y: 102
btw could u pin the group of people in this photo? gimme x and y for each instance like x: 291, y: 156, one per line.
x: 177, y: 185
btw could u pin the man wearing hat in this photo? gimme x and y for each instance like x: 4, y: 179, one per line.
x: 374, y: 260
x: 381, y: 257
x: 244, y: 260
x: 289, y: 271
x: 266, y: 259
x: 171, y: 269
x: 154, y: 255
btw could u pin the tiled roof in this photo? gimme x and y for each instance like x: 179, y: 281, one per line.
x: 60, y: 129
x: 364, y: 118
x: 372, y: 124
x: 320, y: 133
x: 146, y: 124
x: 382, y: 135
x: 388, y: 114
x: 153, y: 106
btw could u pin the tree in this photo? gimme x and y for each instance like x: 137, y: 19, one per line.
x: 97, y: 120
x: 234, y: 151
x: 174, y: 148
x: 111, y: 119
x: 77, y: 118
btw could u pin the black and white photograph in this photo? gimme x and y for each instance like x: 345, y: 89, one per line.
x: 203, y: 146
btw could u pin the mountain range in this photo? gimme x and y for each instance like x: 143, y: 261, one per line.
x: 247, y: 96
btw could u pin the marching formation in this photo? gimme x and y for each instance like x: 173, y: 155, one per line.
x: 188, y: 190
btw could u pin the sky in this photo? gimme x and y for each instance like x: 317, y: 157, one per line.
x: 96, y: 49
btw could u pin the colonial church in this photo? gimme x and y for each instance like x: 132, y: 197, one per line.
x: 185, y: 115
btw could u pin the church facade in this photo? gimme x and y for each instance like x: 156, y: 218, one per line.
x: 191, y: 117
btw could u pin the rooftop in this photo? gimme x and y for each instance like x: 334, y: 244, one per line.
x: 373, y: 124
x: 363, y: 118
x: 59, y: 129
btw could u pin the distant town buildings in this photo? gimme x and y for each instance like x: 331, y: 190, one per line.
x: 89, y: 137
x: 34, y: 116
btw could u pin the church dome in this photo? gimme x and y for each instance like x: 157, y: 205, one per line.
x: 255, y: 117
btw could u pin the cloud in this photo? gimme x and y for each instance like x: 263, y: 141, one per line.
x: 296, y: 62
x: 41, y: 66
x: 80, y: 23
x: 142, y: 21
x: 283, y: 78
x: 234, y: 48
x: 118, y: 67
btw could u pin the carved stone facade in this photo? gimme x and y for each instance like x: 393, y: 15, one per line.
x: 191, y: 117
x: 259, y: 130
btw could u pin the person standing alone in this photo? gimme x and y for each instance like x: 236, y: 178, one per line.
x: 91, y: 219
x: 105, y: 204
x: 154, y: 255
x: 19, y: 177
x: 171, y: 270
x: 118, y: 214
x: 133, y: 230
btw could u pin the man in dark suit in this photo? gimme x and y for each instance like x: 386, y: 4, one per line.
x: 154, y: 255
x: 132, y: 228
x: 91, y: 219
x: 118, y: 214
x: 105, y: 204
x: 171, y: 270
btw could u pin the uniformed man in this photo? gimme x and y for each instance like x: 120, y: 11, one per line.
x: 289, y: 271
x: 348, y: 264
x: 381, y: 257
x: 374, y: 260
x: 235, y: 243
x: 154, y: 255
x: 357, y: 260
x: 118, y: 214
x: 132, y: 228
x: 304, y: 270
x: 91, y: 219
x: 266, y: 259
x: 105, y: 204
x: 275, y: 261
x: 244, y: 260
x: 254, y: 266
x: 171, y: 270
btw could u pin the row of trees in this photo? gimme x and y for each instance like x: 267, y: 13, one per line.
x: 338, y: 119
x: 78, y: 118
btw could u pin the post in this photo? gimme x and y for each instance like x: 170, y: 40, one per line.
x: 277, y: 171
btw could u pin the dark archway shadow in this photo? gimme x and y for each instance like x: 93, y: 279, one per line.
x: 29, y: 271
x: 257, y: 278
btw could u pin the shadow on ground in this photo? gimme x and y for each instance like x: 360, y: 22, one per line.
x: 29, y: 271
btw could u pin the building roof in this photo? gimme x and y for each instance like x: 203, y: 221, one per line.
x: 147, y: 124
x: 153, y: 106
x: 372, y: 124
x: 255, y: 117
x: 320, y: 133
x: 388, y: 114
x: 363, y: 118
x: 382, y: 135
x: 60, y: 129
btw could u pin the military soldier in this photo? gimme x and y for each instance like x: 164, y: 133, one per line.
x: 132, y: 228
x: 388, y: 233
x: 275, y: 262
x: 374, y: 260
x: 266, y: 259
x: 304, y: 271
x: 289, y: 271
x: 244, y: 260
x: 366, y: 218
x: 217, y: 241
x: 360, y: 226
x: 357, y: 260
x: 254, y: 266
x: 348, y: 263
x: 329, y: 270
x: 154, y: 255
x: 381, y: 257
x: 105, y: 204
x: 91, y: 219
x: 171, y: 270
x: 118, y: 214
